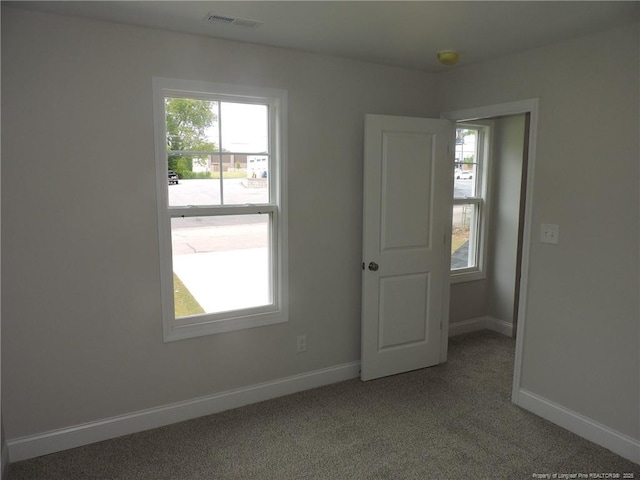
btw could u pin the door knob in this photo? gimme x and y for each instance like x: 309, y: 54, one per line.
x: 373, y: 266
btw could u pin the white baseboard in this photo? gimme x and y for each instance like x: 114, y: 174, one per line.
x: 481, y: 323
x: 466, y: 326
x: 79, y: 435
x: 500, y: 326
x: 591, y: 430
x: 4, y: 461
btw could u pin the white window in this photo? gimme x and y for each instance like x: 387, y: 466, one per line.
x: 468, y: 242
x: 222, y: 217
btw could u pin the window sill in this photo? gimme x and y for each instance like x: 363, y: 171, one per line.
x: 180, y: 332
x: 467, y: 276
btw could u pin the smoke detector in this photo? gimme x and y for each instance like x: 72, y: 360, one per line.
x: 229, y: 20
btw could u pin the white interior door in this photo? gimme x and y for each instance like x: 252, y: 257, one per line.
x: 407, y: 219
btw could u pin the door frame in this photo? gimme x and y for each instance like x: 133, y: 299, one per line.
x: 529, y: 106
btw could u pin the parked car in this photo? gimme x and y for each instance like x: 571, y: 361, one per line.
x: 464, y: 175
x: 173, y: 177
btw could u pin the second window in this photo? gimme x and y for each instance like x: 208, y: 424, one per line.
x: 469, y: 202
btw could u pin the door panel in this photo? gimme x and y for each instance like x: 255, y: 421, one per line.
x: 403, y: 178
x: 407, y: 294
x: 407, y: 214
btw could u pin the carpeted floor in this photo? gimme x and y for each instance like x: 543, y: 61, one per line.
x: 453, y: 421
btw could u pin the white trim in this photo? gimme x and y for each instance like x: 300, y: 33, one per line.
x: 278, y: 310
x: 484, y: 322
x: 478, y: 242
x: 490, y: 111
x: 500, y: 326
x: 591, y: 430
x: 257, y: 209
x: 446, y: 287
x: 4, y: 461
x: 79, y: 435
x: 467, y: 326
x: 486, y: 112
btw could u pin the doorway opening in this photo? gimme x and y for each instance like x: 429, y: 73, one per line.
x: 488, y: 205
x: 497, y: 298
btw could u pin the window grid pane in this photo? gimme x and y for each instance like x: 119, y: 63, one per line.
x: 244, y: 128
x: 467, y: 167
x: 220, y: 263
x: 464, y: 243
x: 465, y: 180
x: 191, y: 125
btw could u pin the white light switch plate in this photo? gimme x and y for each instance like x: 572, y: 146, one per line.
x: 549, y: 233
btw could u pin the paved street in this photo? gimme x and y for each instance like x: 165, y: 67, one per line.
x: 229, y: 232
x: 190, y: 236
x: 463, y: 188
x: 235, y: 191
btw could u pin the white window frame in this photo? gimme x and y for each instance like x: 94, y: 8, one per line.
x: 478, y: 235
x: 213, y: 323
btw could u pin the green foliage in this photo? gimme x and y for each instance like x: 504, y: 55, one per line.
x: 188, y: 175
x: 187, y: 122
x: 183, y: 166
x: 230, y: 174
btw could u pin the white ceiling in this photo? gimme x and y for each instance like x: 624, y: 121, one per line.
x: 405, y: 34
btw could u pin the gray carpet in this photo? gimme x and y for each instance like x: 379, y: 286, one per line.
x: 454, y: 421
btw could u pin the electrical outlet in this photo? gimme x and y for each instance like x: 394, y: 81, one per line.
x: 301, y: 344
x: 549, y: 233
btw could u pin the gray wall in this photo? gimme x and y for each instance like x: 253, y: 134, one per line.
x: 82, y: 332
x: 506, y: 179
x: 468, y: 300
x: 82, y: 336
x: 581, y: 334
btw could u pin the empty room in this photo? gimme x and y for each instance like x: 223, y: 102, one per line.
x: 339, y: 240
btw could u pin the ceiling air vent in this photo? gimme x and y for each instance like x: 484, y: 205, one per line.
x: 227, y: 20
